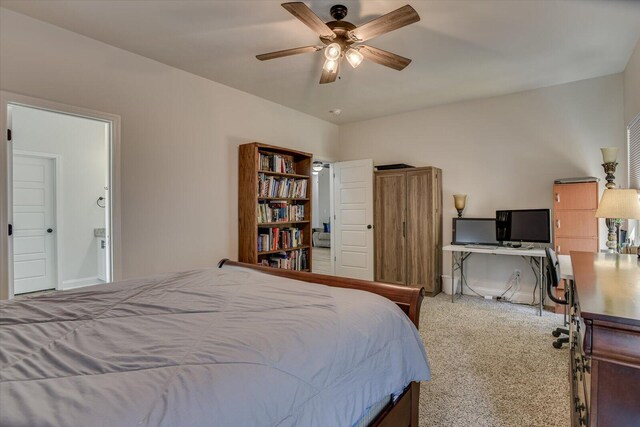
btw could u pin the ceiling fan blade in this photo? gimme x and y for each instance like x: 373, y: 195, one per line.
x: 383, y: 57
x: 391, y: 21
x: 288, y: 52
x: 310, y: 19
x: 329, y: 76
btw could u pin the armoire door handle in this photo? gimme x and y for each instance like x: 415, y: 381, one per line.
x: 557, y: 223
x: 404, y: 229
x: 558, y: 197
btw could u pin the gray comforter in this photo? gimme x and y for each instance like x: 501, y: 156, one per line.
x: 215, y: 347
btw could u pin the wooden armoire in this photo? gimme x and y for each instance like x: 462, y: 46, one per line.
x: 408, y: 227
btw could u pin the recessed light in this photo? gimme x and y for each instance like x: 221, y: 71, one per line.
x: 336, y: 111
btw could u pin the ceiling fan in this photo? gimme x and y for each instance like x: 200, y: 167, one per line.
x: 341, y: 38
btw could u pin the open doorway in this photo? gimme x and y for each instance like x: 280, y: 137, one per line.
x: 321, y: 227
x: 59, y: 204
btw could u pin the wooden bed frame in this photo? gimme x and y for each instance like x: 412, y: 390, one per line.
x: 404, y: 412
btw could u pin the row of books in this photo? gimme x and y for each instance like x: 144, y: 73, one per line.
x: 276, y: 163
x: 269, y: 186
x: 294, y: 260
x: 273, y: 239
x: 279, y: 212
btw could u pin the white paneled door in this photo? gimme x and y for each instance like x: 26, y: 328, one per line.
x: 353, y: 219
x: 34, y: 238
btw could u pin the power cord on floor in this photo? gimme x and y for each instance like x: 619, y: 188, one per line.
x: 515, y: 276
x: 463, y: 282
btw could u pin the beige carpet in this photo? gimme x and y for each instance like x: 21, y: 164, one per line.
x: 492, y: 365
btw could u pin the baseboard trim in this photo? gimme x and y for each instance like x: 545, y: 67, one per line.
x: 79, y: 283
x: 521, y: 297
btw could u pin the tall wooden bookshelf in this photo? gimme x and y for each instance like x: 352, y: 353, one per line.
x: 252, y: 223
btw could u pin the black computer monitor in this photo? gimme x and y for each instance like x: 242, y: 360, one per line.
x: 524, y: 225
x: 474, y: 231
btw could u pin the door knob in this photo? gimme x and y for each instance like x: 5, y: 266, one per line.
x: 369, y: 227
x: 49, y: 230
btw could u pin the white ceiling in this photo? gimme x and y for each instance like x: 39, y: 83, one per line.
x: 461, y: 49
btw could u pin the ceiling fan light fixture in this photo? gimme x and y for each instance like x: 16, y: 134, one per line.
x: 330, y: 65
x: 332, y: 52
x: 354, y: 57
x: 338, y: 36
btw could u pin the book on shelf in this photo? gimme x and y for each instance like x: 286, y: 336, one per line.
x: 274, y: 238
x: 276, y: 163
x: 270, y: 186
x: 278, y: 211
x: 294, y: 260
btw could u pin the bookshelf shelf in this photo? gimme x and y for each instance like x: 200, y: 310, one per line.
x: 283, y: 250
x: 264, y: 172
x: 275, y: 224
x: 285, y: 175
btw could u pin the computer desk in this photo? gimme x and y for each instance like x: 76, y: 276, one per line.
x: 535, y: 257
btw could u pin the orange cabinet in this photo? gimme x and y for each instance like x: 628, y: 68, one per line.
x: 575, y: 226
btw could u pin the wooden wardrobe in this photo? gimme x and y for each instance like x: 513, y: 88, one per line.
x: 408, y: 227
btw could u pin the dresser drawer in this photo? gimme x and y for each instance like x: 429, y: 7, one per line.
x: 580, y: 370
x: 581, y: 196
x: 579, y: 397
x: 564, y: 245
x: 575, y: 224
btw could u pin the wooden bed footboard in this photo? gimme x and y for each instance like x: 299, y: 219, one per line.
x: 403, y: 412
x: 408, y: 299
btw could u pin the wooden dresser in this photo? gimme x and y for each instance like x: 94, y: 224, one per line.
x: 575, y: 226
x: 408, y: 227
x: 605, y: 340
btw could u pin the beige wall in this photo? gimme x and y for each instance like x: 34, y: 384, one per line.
x: 504, y: 152
x: 179, y: 144
x: 632, y: 86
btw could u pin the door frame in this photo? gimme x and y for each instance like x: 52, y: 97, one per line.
x: 6, y: 157
x: 57, y: 210
x: 332, y: 218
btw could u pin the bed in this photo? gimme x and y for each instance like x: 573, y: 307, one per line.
x: 237, y: 345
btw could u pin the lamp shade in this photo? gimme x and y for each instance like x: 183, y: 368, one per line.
x: 609, y: 154
x: 354, y: 57
x: 333, y: 51
x: 619, y: 204
x: 459, y: 201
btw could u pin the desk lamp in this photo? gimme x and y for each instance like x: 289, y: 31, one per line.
x: 459, y: 201
x: 618, y: 204
x: 609, y: 163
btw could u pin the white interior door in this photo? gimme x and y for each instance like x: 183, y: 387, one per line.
x: 34, y: 241
x: 353, y: 219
